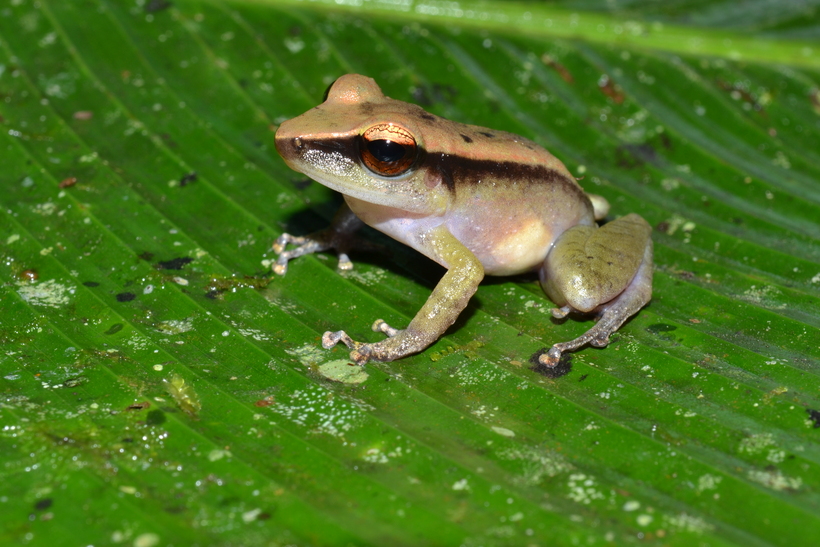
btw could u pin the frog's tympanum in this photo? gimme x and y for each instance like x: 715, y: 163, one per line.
x: 477, y: 201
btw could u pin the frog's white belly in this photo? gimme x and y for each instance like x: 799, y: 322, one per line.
x: 502, y: 251
x: 510, y: 251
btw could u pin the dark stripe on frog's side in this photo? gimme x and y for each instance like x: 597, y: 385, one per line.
x: 458, y: 171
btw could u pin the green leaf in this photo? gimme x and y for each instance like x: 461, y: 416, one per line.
x: 162, y: 387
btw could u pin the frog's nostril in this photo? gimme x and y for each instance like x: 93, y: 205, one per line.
x: 298, y: 144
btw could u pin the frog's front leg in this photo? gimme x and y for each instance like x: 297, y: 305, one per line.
x: 440, y: 311
x: 339, y: 236
x: 606, y: 271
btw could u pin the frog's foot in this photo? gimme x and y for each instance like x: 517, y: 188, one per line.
x: 361, y: 352
x: 305, y: 245
x: 611, y: 315
x: 597, y: 336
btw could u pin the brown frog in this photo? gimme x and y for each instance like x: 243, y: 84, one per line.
x: 477, y: 201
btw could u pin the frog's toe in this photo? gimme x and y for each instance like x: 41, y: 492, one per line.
x: 380, y: 326
x: 280, y: 267
x: 560, y: 313
x: 345, y: 263
x: 361, y: 355
x: 280, y: 243
x: 551, y: 358
x: 330, y: 339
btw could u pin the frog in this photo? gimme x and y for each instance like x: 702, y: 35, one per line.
x: 479, y: 202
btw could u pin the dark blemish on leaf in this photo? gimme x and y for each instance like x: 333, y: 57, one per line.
x: 155, y: 417
x: 153, y: 6
x: 608, y: 87
x: 662, y: 227
x: 583, y: 377
x: 115, y: 328
x: 77, y: 381
x: 43, y: 504
x: 660, y: 327
x: 302, y: 183
x: 147, y: 256
x: 29, y: 275
x: 91, y: 284
x: 139, y: 406
x: 188, y: 178
x: 466, y: 139
x: 814, y: 416
x: 174, y: 263
x: 559, y: 68
x: 563, y: 367
x: 436, y: 93
x: 645, y: 152
x: 126, y: 297
x: 635, y: 155
x: 171, y: 143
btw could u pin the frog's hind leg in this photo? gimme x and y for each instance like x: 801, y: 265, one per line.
x: 606, y: 271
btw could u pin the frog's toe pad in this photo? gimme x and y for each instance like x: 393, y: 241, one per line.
x: 560, y: 313
x: 280, y: 267
x: 345, y: 264
x: 550, y: 359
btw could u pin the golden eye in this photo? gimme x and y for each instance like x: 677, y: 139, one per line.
x: 388, y: 150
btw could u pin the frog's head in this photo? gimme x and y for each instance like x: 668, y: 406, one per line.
x: 365, y: 145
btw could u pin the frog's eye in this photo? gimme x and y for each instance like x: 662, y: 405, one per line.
x: 388, y: 150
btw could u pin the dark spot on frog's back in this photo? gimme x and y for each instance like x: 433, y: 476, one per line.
x: 466, y: 139
x: 366, y: 108
x: 487, y: 134
x: 428, y: 117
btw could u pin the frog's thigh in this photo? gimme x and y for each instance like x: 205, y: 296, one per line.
x: 590, y: 266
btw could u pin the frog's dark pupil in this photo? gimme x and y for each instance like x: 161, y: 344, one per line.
x: 386, y: 151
